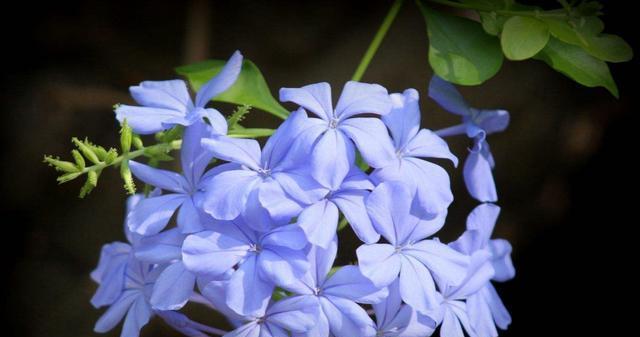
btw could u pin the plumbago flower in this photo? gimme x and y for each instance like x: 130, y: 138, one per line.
x: 337, y: 295
x: 429, y: 181
x: 483, y: 306
x: 126, y: 285
x: 476, y: 124
x: 274, y: 179
x: 166, y: 104
x: 259, y: 260
x: 333, y: 152
x: 408, y: 255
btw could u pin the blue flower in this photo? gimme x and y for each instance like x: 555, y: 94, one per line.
x: 293, y: 314
x: 320, y: 220
x: 396, y: 319
x: 274, y: 179
x: 259, y: 260
x: 429, y: 181
x: 333, y: 153
x: 492, y: 261
x: 476, y: 124
x: 337, y: 295
x: 407, y: 254
x: 166, y: 104
x: 188, y: 189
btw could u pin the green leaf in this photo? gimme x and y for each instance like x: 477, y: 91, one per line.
x: 577, y: 64
x: 459, y: 50
x: 610, y: 48
x: 250, y: 133
x: 492, y: 22
x: 250, y: 88
x: 523, y: 37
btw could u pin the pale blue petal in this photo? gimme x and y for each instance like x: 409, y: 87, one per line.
x: 492, y: 121
x: 352, y: 205
x: 227, y: 193
x: 110, y: 254
x: 419, y: 325
x: 455, y: 130
x: 389, y: 207
x: 171, y: 94
x: 346, y: 318
x: 247, y: 292
x: 447, y: 96
x: 274, y: 199
x: 145, y: 121
x: 441, y: 260
x: 385, y: 311
x: 432, y: 184
x: 372, y: 139
x: 356, y: 179
x: 189, y: 219
x: 319, y: 222
x: 480, y: 317
x: 501, y: 260
x: 296, y: 314
x: 331, y: 159
x: 479, y: 178
x: 282, y: 265
x: 321, y: 261
x: 278, y: 151
x: 314, y: 97
x: 236, y: 150
x: 300, y: 186
x: 166, y: 180
x: 251, y: 329
x: 478, y: 276
x: 450, y: 325
x: 161, y: 248
x: 212, y: 253
x: 218, y: 123
x: 117, y: 311
x: 193, y: 158
x: 500, y: 314
x: 348, y: 282
x: 112, y: 279
x: 173, y: 288
x: 429, y: 145
x: 358, y: 98
x: 379, y: 263
x: 404, y: 119
x: 289, y: 236
x: 153, y: 214
x: 137, y: 317
x: 221, y: 81
x: 417, y: 286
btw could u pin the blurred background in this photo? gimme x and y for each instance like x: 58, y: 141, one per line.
x: 564, y: 166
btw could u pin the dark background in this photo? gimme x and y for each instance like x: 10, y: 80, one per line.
x: 565, y: 168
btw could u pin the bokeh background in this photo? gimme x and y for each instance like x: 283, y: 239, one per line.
x: 565, y: 168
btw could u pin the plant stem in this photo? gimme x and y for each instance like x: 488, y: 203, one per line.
x: 534, y: 13
x: 377, y: 40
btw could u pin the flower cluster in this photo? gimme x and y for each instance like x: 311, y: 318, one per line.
x: 256, y: 226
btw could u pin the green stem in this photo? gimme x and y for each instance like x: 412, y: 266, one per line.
x: 476, y: 7
x: 174, y: 145
x: 377, y: 40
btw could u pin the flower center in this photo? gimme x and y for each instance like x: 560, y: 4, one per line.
x: 333, y: 123
x: 255, y: 248
x: 317, y: 291
x: 264, y: 172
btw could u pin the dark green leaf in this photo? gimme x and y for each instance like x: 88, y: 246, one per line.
x: 523, y: 37
x: 577, y: 64
x: 610, y: 48
x: 459, y: 50
x: 250, y: 88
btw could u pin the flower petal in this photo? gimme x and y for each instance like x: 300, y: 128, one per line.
x: 272, y: 197
x: 193, y: 157
x: 247, y: 293
x: 443, y: 262
x: 429, y: 145
x: 478, y: 178
x: 348, y: 282
x: 389, y: 207
x: 173, y: 288
x: 282, y: 265
x: 417, y: 286
x: 352, y: 205
x: 161, y: 248
x: 501, y: 260
x: 151, y: 215
x: 144, y: 120
x: 227, y: 193
x: 404, y: 119
x: 379, y: 263
x: 137, y: 317
x: 319, y: 222
x: 313, y: 97
x: 220, y: 82
x: 372, y: 139
x: 296, y: 314
x: 236, y: 150
x: 359, y: 98
x: 492, y: 121
x: 189, y: 219
x: 447, y: 96
x: 172, y: 94
x: 331, y: 159
x: 346, y: 318
x: 117, y: 311
x: 166, y: 180
x: 289, y: 236
x: 212, y: 253
x: 483, y: 219
x: 433, y: 188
